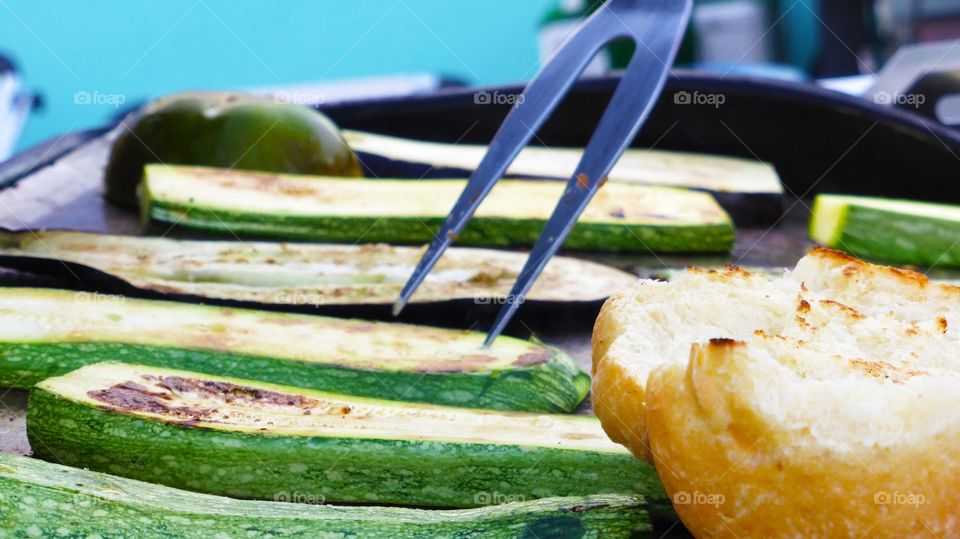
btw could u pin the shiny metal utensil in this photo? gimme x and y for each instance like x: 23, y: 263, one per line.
x: 656, y: 26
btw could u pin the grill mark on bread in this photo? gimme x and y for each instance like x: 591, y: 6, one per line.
x: 846, y: 309
x: 942, y: 324
x: 726, y: 343
x: 853, y: 266
x: 881, y: 370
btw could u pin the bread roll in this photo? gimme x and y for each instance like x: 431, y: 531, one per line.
x: 825, y: 403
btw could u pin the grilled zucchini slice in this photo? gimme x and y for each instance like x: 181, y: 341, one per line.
x: 621, y: 217
x: 303, y: 274
x: 40, y: 499
x: 252, y: 440
x: 46, y: 332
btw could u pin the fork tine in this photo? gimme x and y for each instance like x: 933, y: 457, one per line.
x: 525, y: 118
x: 628, y: 109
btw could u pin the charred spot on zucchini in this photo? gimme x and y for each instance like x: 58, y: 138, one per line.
x: 50, y: 332
x: 621, y: 217
x: 41, y: 499
x: 249, y: 440
x: 749, y: 189
x: 305, y: 274
x: 901, y: 231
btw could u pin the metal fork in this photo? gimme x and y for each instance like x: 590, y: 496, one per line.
x: 656, y: 26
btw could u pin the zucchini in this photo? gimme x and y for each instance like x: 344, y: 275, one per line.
x: 900, y: 231
x: 253, y: 440
x: 621, y: 217
x: 39, y: 499
x: 303, y: 274
x: 747, y: 188
x: 50, y: 332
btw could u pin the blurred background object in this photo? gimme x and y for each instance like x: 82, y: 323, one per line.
x: 92, y: 60
x: 14, y: 107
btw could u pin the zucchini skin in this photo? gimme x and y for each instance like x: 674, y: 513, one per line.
x: 898, y: 237
x: 557, y: 385
x: 348, y: 470
x: 39, y: 499
x: 480, y: 231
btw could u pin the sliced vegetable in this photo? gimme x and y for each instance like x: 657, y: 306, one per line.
x: 280, y: 273
x: 225, y: 130
x: 747, y: 188
x: 252, y: 440
x: 39, y: 499
x: 50, y: 332
x: 901, y: 231
x: 621, y: 217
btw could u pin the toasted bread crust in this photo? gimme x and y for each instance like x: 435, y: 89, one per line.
x: 606, y: 328
x: 618, y: 400
x: 731, y: 428
x: 731, y: 474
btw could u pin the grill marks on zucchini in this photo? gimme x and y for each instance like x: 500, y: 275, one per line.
x: 47, y: 500
x: 620, y: 218
x: 237, y: 406
x: 284, y: 273
x: 252, y: 440
x: 50, y: 332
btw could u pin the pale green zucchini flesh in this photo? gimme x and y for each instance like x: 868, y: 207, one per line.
x: 621, y: 217
x: 747, y: 188
x: 310, y: 274
x: 901, y: 231
x: 40, y: 499
x: 645, y: 166
x: 252, y: 440
x: 50, y: 332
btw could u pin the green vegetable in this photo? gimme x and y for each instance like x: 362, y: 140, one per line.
x: 621, y: 217
x: 253, y: 440
x: 39, y: 499
x: 225, y: 130
x: 50, y: 332
x: 303, y: 274
x: 747, y: 188
x: 900, y: 231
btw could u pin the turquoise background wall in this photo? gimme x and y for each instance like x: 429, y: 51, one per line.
x: 126, y: 51
x: 135, y: 49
